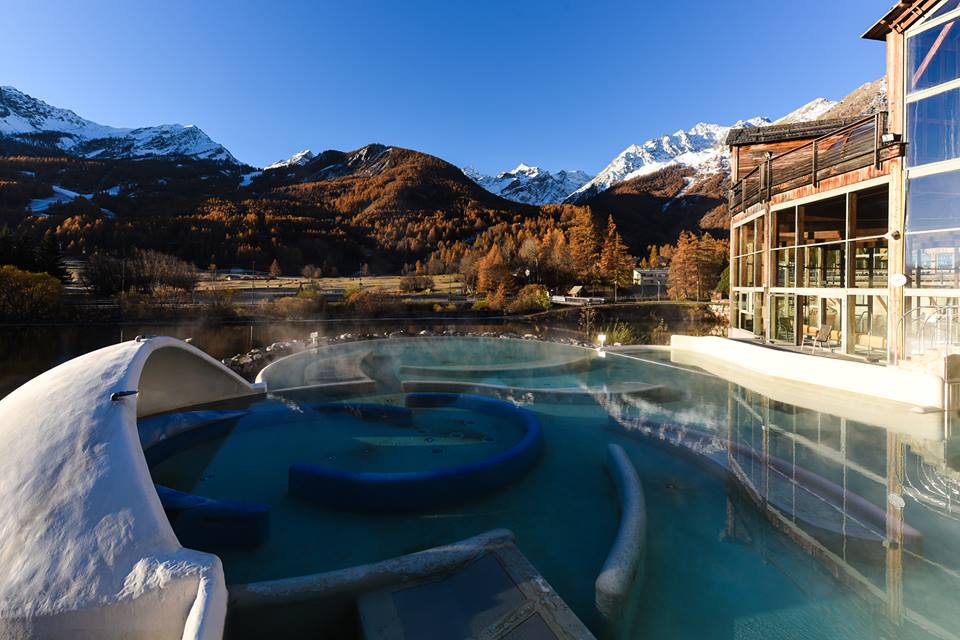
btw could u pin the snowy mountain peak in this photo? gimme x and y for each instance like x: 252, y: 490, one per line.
x: 813, y: 110
x: 530, y: 185
x: 33, y: 122
x: 296, y: 160
x: 524, y: 169
x: 701, y: 147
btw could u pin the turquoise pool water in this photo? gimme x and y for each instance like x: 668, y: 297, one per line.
x: 769, y: 516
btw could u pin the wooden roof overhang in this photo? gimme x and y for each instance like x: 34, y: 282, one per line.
x: 900, y: 18
x: 786, y: 132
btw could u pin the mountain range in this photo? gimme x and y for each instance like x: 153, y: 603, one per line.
x: 104, y: 188
x: 701, y: 148
x: 28, y: 122
x: 530, y: 185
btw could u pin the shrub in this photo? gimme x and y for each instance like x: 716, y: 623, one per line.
x: 370, y: 303
x: 218, y: 305
x: 619, y: 333
x: 413, y: 282
x: 530, y: 299
x: 26, y: 295
x: 303, y: 306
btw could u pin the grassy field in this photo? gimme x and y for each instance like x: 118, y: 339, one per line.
x: 443, y: 284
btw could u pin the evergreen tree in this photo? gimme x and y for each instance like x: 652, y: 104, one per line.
x: 695, y: 266
x: 492, y: 271
x: 47, y: 257
x: 616, y: 263
x: 583, y: 244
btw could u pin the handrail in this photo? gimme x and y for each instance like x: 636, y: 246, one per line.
x: 938, y: 312
x: 764, y: 171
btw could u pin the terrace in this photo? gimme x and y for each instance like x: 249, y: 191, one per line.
x: 840, y: 147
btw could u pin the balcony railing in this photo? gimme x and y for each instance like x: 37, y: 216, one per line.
x: 849, y: 148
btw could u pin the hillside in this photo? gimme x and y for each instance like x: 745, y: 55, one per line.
x: 377, y: 205
x: 381, y: 206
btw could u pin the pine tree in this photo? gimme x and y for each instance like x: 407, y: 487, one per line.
x: 616, y: 263
x: 583, y: 244
x: 275, y: 270
x: 47, y: 257
x: 492, y: 271
x: 695, y: 266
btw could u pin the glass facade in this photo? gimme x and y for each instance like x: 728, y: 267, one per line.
x: 933, y: 56
x: 835, y: 244
x: 932, y: 242
x: 932, y: 128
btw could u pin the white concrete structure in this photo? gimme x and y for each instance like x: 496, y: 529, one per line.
x: 889, y: 383
x: 86, y: 550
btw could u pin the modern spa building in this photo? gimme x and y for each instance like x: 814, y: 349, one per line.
x: 850, y: 229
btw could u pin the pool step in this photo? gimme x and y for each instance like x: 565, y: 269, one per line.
x: 498, y: 595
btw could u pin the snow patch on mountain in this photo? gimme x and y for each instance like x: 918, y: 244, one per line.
x: 813, y: 110
x: 60, y: 195
x: 34, y: 122
x: 296, y: 160
x: 530, y: 185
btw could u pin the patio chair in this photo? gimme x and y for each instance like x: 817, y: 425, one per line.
x: 821, y: 340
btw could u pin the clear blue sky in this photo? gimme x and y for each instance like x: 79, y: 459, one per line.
x: 561, y: 84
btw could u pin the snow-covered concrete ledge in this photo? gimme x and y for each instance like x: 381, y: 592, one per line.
x: 85, y: 548
x: 889, y: 383
x: 624, y: 563
x: 353, y: 581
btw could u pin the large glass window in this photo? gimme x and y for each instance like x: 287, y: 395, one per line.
x: 933, y: 202
x: 868, y: 336
x: 932, y: 260
x: 932, y: 244
x: 786, y: 228
x: 933, y: 208
x: 824, y: 221
x: 748, y: 255
x: 934, y: 56
x: 932, y: 129
x: 946, y: 7
x: 869, y: 219
x: 784, y: 315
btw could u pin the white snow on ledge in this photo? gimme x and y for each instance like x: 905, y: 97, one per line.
x: 85, y: 547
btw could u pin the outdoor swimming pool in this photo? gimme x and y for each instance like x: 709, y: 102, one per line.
x: 767, y: 516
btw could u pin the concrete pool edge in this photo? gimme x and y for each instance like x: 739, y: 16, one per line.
x: 352, y: 580
x: 889, y: 383
x: 97, y: 552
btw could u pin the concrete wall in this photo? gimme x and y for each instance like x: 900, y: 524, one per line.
x: 868, y: 380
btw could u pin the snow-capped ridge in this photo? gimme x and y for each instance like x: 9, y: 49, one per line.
x: 296, y: 160
x: 813, y: 110
x: 530, y: 184
x: 700, y: 147
x: 31, y: 121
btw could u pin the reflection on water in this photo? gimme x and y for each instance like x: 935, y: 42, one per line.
x: 878, y: 506
x: 881, y: 508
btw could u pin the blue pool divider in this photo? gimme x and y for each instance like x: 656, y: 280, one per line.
x: 205, y: 524
x: 202, y: 523
x: 425, y: 490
